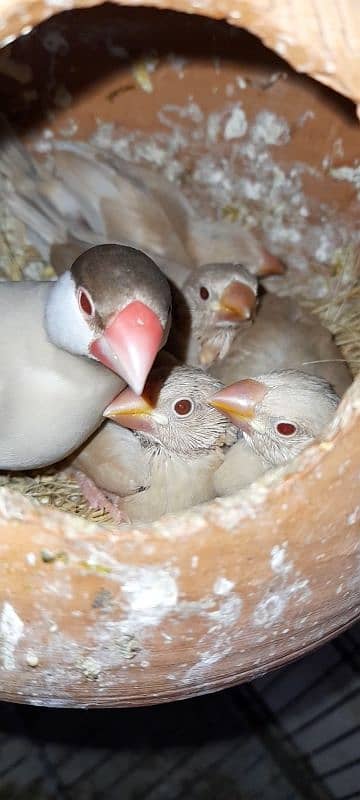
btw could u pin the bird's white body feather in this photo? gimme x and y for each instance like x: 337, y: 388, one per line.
x: 50, y: 400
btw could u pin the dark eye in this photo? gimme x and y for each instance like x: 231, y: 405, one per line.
x: 183, y: 407
x: 286, y: 428
x: 85, y: 303
x: 204, y: 293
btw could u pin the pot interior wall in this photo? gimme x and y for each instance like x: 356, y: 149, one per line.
x: 259, y: 147
x: 249, y: 140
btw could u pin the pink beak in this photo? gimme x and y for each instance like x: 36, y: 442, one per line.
x: 239, y: 400
x: 130, y: 411
x: 130, y: 343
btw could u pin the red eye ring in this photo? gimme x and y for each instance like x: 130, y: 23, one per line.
x: 286, y: 428
x: 183, y: 407
x: 85, y: 302
x: 204, y: 293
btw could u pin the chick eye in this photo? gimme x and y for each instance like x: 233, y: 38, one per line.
x: 85, y: 303
x: 204, y: 293
x: 286, y: 428
x: 183, y: 407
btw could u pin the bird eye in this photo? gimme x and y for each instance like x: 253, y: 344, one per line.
x: 204, y: 293
x: 183, y: 407
x: 286, y: 428
x: 85, y: 303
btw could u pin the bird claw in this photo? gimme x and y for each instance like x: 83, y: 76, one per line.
x: 98, y: 499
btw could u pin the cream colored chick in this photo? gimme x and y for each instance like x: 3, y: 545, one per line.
x: 279, y: 414
x: 283, y: 336
x: 183, y: 440
x: 212, y: 306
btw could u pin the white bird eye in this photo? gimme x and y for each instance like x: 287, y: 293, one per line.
x: 85, y: 302
x: 286, y: 428
x: 183, y: 407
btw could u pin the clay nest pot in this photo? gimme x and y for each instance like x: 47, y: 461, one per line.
x: 92, y: 615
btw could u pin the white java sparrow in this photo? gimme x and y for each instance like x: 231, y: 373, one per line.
x: 210, y: 304
x: 69, y: 346
x: 284, y: 336
x: 183, y: 440
x: 279, y: 414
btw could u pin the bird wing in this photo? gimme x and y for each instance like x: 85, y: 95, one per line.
x: 114, y: 459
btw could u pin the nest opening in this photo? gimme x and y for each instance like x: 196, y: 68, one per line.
x: 243, y: 136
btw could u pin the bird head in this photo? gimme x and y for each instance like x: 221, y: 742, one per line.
x: 222, y: 298
x: 173, y: 412
x: 279, y: 413
x: 114, y: 306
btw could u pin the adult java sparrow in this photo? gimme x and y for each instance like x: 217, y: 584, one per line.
x: 182, y: 441
x: 86, y: 198
x: 284, y: 336
x: 279, y: 414
x: 210, y: 304
x: 69, y: 346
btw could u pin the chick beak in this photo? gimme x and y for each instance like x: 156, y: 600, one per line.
x: 130, y: 343
x: 237, y: 303
x: 239, y: 401
x: 270, y: 265
x: 130, y: 411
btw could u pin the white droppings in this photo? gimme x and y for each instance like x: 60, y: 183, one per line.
x: 90, y: 668
x: 241, y: 82
x: 11, y: 630
x: 150, y: 589
x: 32, y: 659
x: 350, y: 174
x: 354, y: 517
x: 30, y: 559
x: 281, y: 48
x: 236, y: 125
x: 269, y: 610
x: 223, y: 586
x: 53, y: 627
x: 277, y: 560
x: 271, y: 129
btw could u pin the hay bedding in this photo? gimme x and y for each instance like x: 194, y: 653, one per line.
x: 259, y: 197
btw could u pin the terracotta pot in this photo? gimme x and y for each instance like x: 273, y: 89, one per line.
x: 193, y: 603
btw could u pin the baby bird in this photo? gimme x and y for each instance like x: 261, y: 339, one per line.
x: 213, y: 304
x: 132, y: 203
x: 183, y: 440
x: 70, y: 345
x: 279, y: 414
x: 283, y: 336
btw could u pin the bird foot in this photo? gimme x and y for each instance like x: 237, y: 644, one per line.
x: 98, y: 499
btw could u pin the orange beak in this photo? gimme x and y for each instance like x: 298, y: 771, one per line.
x: 239, y: 401
x: 270, y: 265
x: 130, y: 343
x: 237, y: 303
x: 130, y: 411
